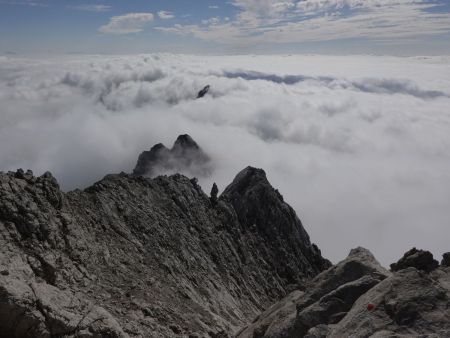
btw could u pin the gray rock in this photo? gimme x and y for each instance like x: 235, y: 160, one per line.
x: 408, y: 303
x: 276, y: 321
x: 41, y: 310
x: 327, y: 299
x: 419, y: 259
x: 332, y: 307
x: 185, y: 157
x: 446, y: 259
x: 132, y: 256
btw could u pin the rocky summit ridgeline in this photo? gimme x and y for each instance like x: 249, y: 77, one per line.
x: 133, y: 256
x: 138, y: 257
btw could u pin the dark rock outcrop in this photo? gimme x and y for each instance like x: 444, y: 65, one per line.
x: 446, y: 259
x: 203, y: 92
x: 138, y: 257
x: 419, y: 259
x: 185, y: 157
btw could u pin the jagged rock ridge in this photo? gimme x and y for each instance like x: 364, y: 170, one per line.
x: 138, y: 257
x: 184, y: 157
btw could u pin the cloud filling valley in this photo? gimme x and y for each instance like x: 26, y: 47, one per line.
x: 358, y: 145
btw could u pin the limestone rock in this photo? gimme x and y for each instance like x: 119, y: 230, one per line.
x: 326, y: 300
x: 139, y: 257
x: 410, y: 302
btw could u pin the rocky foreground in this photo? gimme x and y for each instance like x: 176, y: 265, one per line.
x: 359, y: 298
x: 140, y: 257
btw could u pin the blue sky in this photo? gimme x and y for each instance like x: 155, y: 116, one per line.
x: 406, y: 27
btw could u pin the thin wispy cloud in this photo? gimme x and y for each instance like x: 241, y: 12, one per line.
x: 32, y: 3
x: 128, y: 23
x: 164, y: 15
x: 93, y: 8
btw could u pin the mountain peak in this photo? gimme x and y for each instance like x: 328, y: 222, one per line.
x: 185, y: 157
x: 186, y: 142
x: 247, y: 179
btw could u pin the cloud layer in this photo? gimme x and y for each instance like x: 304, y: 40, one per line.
x: 358, y: 145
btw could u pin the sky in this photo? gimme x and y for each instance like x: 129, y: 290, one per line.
x: 357, y: 145
x: 387, y: 27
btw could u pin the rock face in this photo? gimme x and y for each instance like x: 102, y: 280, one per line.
x: 358, y: 298
x: 138, y: 257
x: 185, y: 157
x: 419, y: 259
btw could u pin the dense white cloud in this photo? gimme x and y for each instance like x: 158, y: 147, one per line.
x: 164, y: 15
x: 357, y: 145
x: 128, y: 23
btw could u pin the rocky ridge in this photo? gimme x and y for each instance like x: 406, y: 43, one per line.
x: 138, y: 257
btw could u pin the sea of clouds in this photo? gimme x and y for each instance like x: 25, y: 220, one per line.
x: 358, y: 145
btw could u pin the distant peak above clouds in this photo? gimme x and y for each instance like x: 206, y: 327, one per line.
x: 186, y: 157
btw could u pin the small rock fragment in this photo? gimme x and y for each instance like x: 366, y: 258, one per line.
x: 203, y: 92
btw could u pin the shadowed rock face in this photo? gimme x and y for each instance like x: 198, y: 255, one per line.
x: 261, y: 209
x: 185, y: 157
x: 138, y: 257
